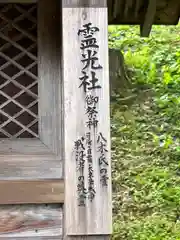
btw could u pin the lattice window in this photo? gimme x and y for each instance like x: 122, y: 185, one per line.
x: 18, y: 71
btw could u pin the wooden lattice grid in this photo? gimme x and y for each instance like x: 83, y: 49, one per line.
x: 18, y: 71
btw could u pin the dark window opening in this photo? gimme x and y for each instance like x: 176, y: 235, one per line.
x: 18, y: 71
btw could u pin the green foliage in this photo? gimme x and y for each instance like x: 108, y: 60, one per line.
x: 146, y: 137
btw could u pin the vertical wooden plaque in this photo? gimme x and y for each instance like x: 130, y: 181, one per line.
x: 88, y: 207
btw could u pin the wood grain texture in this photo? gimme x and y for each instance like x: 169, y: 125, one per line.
x: 31, y: 222
x: 84, y: 3
x: 50, y: 87
x: 149, y: 18
x: 35, y: 238
x: 18, y: 1
x: 20, y: 192
x: 95, y: 218
x: 19, y: 167
x: 32, y: 158
x: 23, y: 146
x: 95, y: 237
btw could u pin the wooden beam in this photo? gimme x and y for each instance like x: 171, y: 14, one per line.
x: 24, y: 191
x: 88, y: 207
x: 49, y: 82
x: 31, y: 221
x: 95, y: 237
x: 18, y: 1
x: 145, y: 28
x: 84, y: 3
x: 30, y: 167
x: 36, y: 238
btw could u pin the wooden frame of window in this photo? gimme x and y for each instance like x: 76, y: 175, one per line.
x: 37, y: 163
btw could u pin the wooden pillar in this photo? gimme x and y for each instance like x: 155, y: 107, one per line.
x: 88, y: 207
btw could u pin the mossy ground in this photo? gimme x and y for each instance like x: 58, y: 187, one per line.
x: 146, y: 136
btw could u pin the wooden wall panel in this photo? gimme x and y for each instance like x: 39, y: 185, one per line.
x: 50, y: 85
x: 31, y: 172
x: 41, y: 191
x: 35, y: 238
x: 95, y: 237
x: 18, y: 1
x: 31, y: 167
x: 31, y: 222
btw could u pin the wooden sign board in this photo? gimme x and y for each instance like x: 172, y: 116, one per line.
x: 88, y: 208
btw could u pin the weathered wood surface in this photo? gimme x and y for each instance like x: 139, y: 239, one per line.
x: 84, y: 3
x: 95, y: 237
x: 34, y: 238
x: 16, y: 167
x: 50, y: 86
x: 149, y: 18
x: 18, y: 1
x: 31, y: 222
x: 95, y: 218
x: 44, y: 191
x: 23, y: 146
x: 34, y: 158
